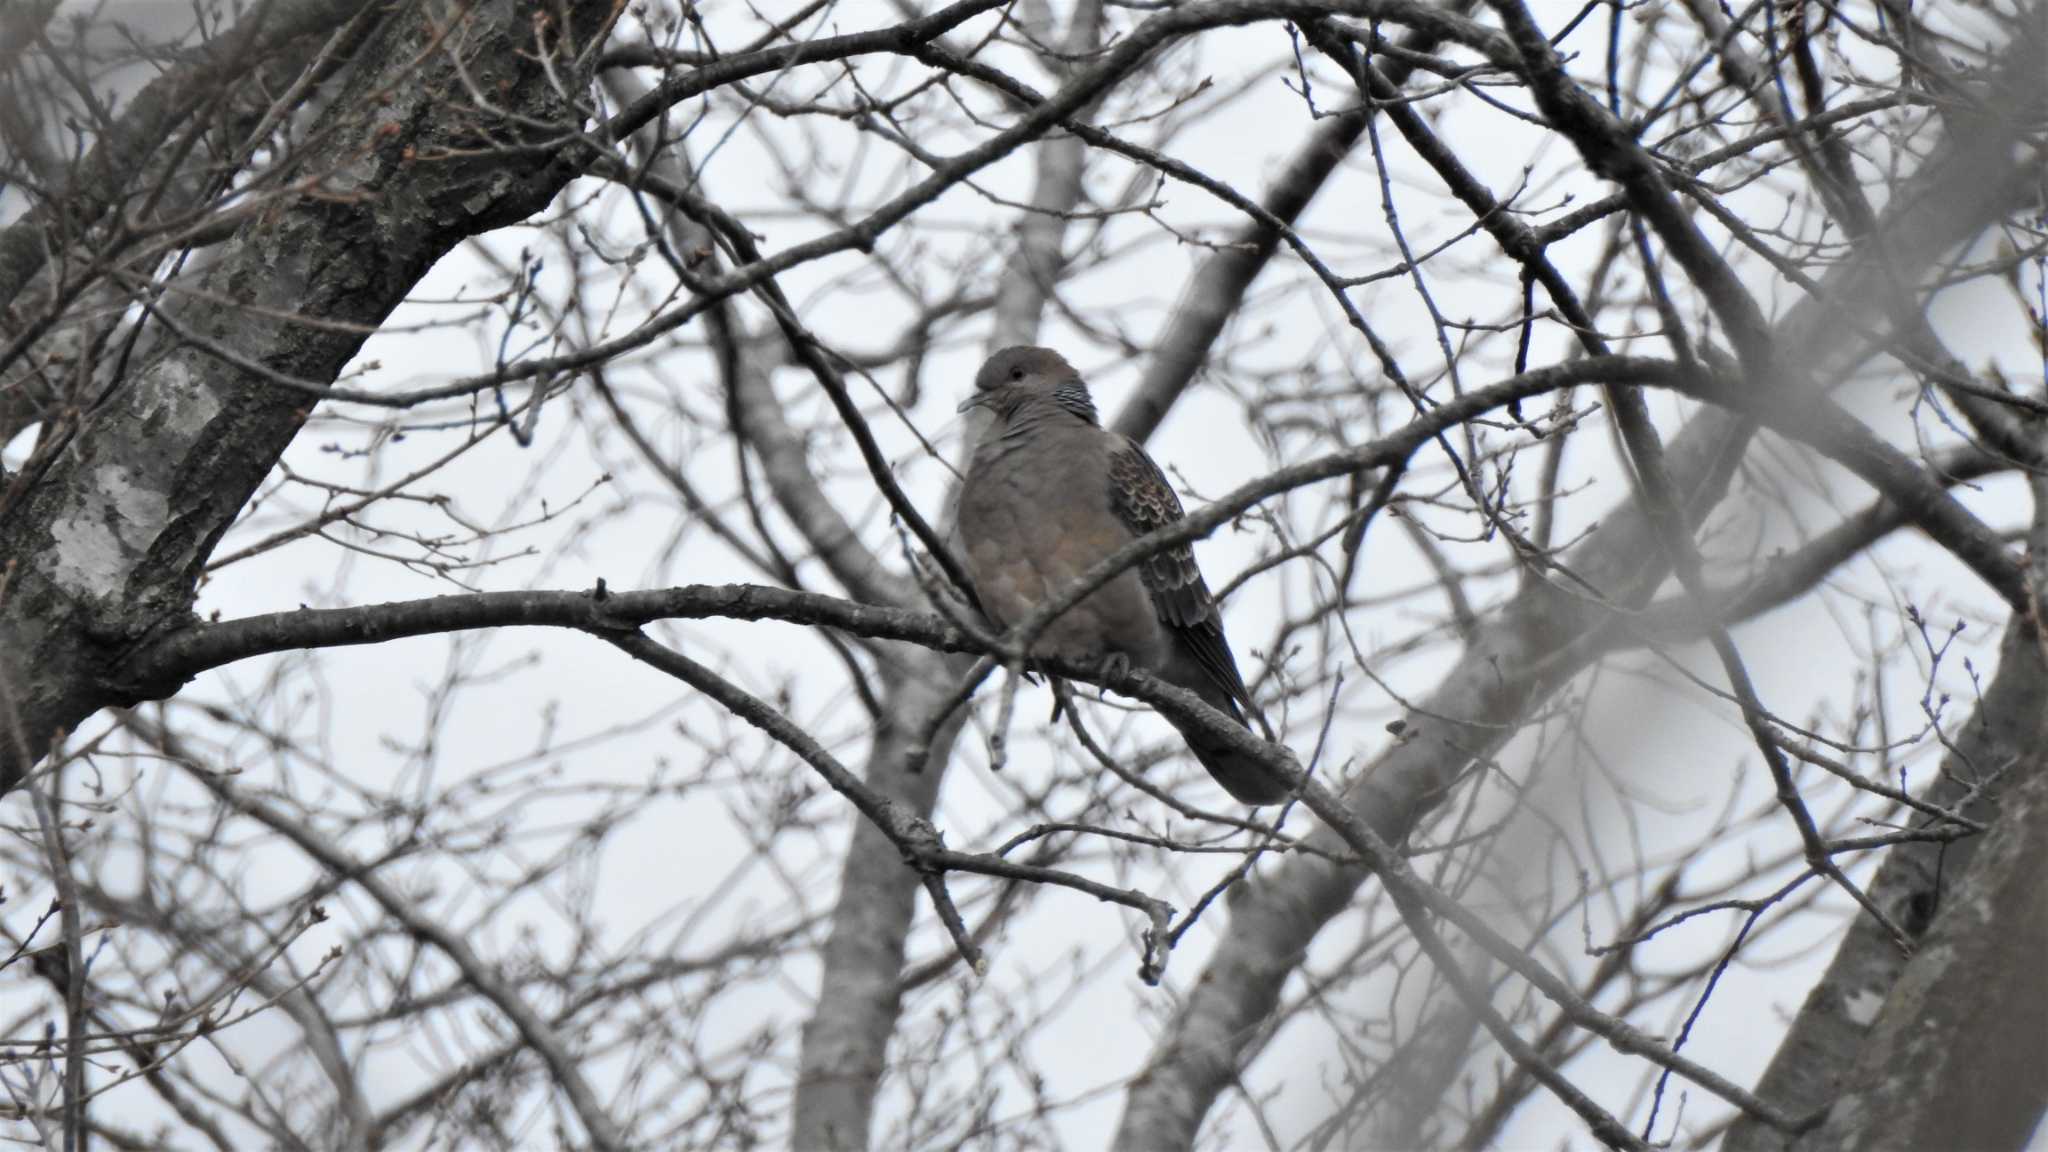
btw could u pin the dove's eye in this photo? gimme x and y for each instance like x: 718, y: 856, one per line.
x: 1016, y: 373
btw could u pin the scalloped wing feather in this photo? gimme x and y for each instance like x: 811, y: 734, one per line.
x: 1143, y: 499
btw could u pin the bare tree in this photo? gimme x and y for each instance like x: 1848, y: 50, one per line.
x: 482, y: 661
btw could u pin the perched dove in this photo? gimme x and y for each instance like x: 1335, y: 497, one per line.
x: 1049, y: 493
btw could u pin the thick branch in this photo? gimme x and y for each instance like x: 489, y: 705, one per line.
x: 107, y: 173
x: 1958, y: 1057
x: 106, y: 546
x: 1830, y: 1035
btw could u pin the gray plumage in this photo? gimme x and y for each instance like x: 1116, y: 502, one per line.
x: 1048, y: 494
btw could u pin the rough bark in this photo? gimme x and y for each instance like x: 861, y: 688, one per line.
x: 1958, y: 1058
x: 1850, y: 1029
x: 1964, y: 917
x: 97, y: 273
x: 107, y: 173
x: 104, y: 549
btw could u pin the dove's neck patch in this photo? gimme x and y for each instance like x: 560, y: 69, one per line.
x: 1073, y: 396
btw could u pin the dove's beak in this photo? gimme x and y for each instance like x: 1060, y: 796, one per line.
x: 973, y: 402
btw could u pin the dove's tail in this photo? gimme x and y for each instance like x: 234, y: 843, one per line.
x: 1241, y: 775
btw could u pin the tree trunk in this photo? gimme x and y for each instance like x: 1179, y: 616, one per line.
x: 104, y: 549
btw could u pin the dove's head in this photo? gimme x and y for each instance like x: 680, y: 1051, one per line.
x: 1018, y: 376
